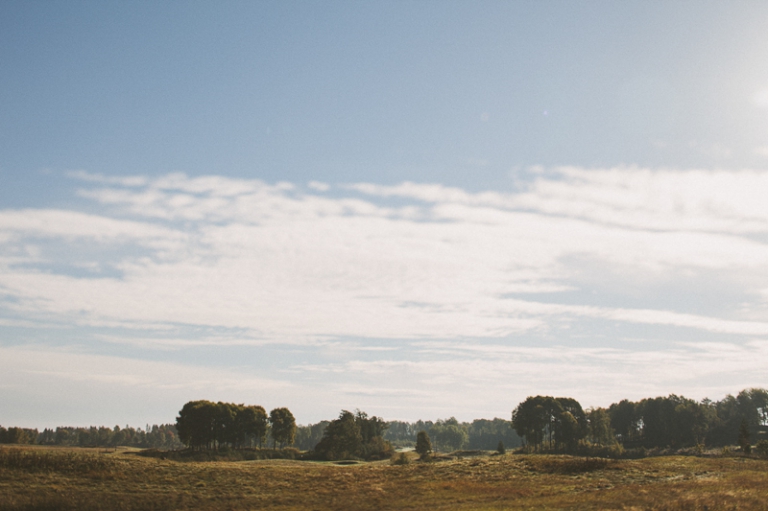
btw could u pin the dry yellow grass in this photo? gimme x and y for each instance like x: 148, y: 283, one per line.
x: 43, y: 479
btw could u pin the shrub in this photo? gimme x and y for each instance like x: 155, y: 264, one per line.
x: 402, y: 459
x: 762, y: 447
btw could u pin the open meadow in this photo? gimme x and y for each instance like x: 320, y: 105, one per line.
x: 42, y: 478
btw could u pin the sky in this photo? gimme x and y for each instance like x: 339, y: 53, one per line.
x: 417, y: 209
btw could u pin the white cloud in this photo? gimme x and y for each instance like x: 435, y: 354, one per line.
x: 670, y: 200
x: 65, y: 224
x: 294, y: 266
x: 447, y: 287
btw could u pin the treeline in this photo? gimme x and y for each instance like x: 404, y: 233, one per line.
x: 162, y: 436
x: 560, y: 424
x: 452, y: 435
x: 446, y: 434
x: 540, y: 423
x: 208, y: 425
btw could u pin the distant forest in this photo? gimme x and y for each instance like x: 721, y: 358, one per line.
x: 162, y: 436
x: 540, y: 423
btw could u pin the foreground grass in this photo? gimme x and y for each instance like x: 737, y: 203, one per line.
x: 61, y: 479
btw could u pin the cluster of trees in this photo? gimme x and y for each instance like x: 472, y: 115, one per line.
x: 307, y: 437
x: 17, y: 436
x: 354, y: 435
x: 554, y: 422
x: 539, y: 422
x: 452, y: 435
x: 162, y: 436
x: 560, y: 424
x: 204, y: 424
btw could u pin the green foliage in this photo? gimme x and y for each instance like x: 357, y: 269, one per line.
x: 567, y: 432
x: 402, y: 459
x: 561, y: 422
x: 486, y: 434
x: 354, y: 436
x: 307, y: 437
x: 449, y: 435
x: 17, y: 436
x: 762, y: 448
x: 667, y: 423
x: 282, y: 426
x: 482, y: 434
x: 204, y: 424
x: 500, y: 448
x: 341, y: 439
x: 250, y: 423
x: 423, y: 444
x: 746, y: 446
x: 163, y: 436
x: 625, y: 420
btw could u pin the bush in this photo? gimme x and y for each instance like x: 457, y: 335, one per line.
x: 762, y: 447
x: 402, y: 459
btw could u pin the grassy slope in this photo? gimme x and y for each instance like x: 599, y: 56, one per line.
x: 40, y: 479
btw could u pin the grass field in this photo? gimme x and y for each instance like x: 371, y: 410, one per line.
x: 38, y: 478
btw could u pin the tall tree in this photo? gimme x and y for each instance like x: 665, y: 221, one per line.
x: 625, y: 420
x: 568, y: 431
x: 535, y: 419
x: 282, y: 426
x: 423, y: 444
x: 600, y: 431
x: 252, y: 424
x: 449, y: 435
x: 195, y: 424
x: 744, y: 443
x: 342, y: 438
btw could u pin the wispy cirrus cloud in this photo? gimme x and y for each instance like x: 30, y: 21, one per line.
x: 287, y: 262
x: 341, y: 280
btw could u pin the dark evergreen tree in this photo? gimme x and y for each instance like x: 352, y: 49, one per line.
x: 423, y: 444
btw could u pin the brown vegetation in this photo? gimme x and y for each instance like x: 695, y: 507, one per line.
x: 37, y: 478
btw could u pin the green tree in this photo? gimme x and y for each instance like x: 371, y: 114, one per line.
x: 224, y: 431
x: 354, y: 436
x: 195, y: 424
x: 486, y: 434
x: 423, y: 444
x: 370, y: 427
x: 567, y: 431
x: 251, y: 425
x: 535, y: 419
x: 307, y: 437
x: 282, y: 426
x: 449, y: 435
x: 744, y: 442
x: 18, y: 436
x: 625, y: 420
x: 600, y: 431
x: 342, y: 438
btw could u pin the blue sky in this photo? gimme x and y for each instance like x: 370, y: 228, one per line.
x: 416, y: 209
